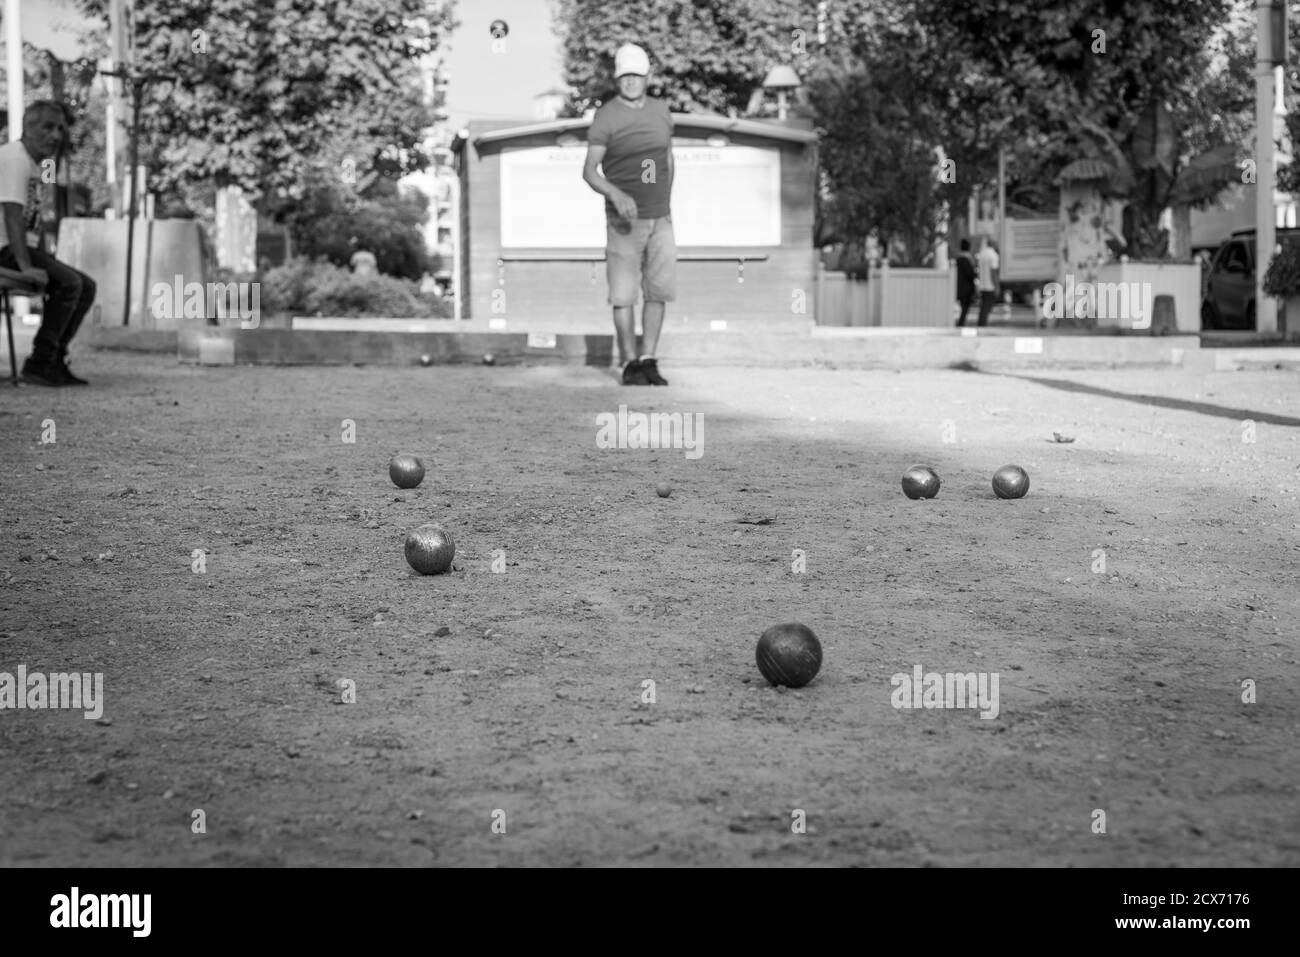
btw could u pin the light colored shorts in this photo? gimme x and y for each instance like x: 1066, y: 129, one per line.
x: 644, y: 258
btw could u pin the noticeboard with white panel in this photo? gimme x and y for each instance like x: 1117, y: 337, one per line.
x: 727, y: 196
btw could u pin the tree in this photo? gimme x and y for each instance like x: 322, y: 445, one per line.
x: 882, y: 131
x: 707, y: 55
x: 272, y: 94
x: 1127, y: 81
x: 899, y: 79
x: 713, y: 55
x: 385, y: 221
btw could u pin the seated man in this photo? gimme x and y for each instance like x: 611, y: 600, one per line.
x: 68, y: 292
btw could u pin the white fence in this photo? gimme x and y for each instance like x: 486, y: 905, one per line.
x: 890, y: 296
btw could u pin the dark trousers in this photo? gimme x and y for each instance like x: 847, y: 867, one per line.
x: 68, y: 298
x: 964, y: 302
x: 987, y: 298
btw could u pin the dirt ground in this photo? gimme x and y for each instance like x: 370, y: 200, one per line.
x: 490, y: 701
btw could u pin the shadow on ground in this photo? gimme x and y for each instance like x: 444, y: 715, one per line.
x: 1160, y: 401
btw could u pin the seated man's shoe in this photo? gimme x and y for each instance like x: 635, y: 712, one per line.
x: 41, y: 373
x: 66, y: 375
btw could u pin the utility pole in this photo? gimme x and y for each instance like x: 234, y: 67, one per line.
x: 1002, y: 206
x: 14, y: 67
x: 1270, y: 53
x: 115, y: 121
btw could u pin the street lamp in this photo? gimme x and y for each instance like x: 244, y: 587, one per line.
x: 783, y: 79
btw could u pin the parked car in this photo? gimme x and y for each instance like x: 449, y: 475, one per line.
x: 1228, y: 297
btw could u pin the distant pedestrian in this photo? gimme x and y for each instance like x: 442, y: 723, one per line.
x: 966, y: 276
x: 363, y: 261
x: 989, y: 267
x: 631, y: 141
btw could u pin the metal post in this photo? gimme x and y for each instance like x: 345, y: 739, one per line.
x: 942, y: 224
x: 1002, y: 208
x: 115, y: 128
x: 14, y: 59
x: 457, y: 304
x: 1265, y: 179
x: 148, y: 252
x: 136, y: 90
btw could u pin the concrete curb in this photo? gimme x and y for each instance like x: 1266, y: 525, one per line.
x: 208, y: 345
x: 126, y: 339
x: 832, y: 348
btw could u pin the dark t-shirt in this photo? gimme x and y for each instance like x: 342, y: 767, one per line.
x: 965, y: 275
x: 631, y: 137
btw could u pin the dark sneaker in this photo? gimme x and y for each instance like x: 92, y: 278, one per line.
x: 39, y: 373
x: 650, y: 369
x: 633, y: 374
x: 66, y: 376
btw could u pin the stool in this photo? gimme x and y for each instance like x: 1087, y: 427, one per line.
x: 12, y: 281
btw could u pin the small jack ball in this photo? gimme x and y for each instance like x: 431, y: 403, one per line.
x: 663, y: 489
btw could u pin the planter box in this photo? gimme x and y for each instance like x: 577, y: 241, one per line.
x: 1181, y: 282
x: 98, y: 248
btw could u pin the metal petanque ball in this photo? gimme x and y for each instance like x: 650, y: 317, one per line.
x: 489, y: 359
x: 406, y: 471
x: 430, y: 549
x: 789, y: 655
x: 920, y: 481
x: 1010, y: 481
x: 426, y: 360
x: 663, y: 489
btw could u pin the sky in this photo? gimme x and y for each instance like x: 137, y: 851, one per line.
x: 501, y: 86
x: 45, y: 24
x: 483, y: 84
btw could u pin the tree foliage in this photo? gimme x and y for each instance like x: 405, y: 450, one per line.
x: 1145, y: 85
x: 385, y: 221
x: 270, y: 95
x: 881, y: 147
x: 706, y: 56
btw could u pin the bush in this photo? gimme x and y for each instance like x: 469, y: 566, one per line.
x: 284, y: 288
x: 1282, y: 278
x: 386, y: 222
x: 305, y: 287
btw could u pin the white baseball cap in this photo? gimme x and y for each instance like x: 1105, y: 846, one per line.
x: 630, y: 58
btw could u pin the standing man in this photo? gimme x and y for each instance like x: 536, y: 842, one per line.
x: 631, y: 140
x: 68, y: 292
x: 988, y: 265
x: 965, y: 280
